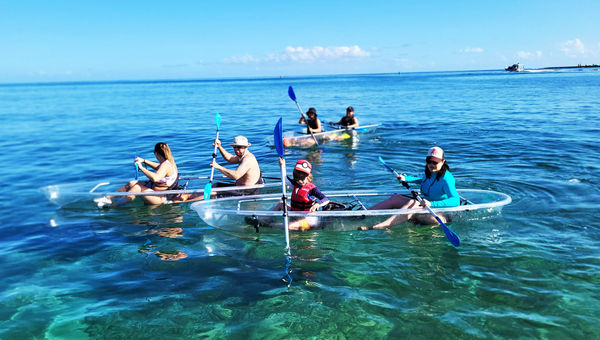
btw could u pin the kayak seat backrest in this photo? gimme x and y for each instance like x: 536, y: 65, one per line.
x: 333, y: 205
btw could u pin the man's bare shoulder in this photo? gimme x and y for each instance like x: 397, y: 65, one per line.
x: 249, y: 157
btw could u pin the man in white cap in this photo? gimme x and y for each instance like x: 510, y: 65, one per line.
x: 248, y: 171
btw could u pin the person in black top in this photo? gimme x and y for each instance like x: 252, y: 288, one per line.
x: 349, y: 120
x: 312, y: 122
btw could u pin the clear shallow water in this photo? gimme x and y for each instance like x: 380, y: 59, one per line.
x: 160, y: 272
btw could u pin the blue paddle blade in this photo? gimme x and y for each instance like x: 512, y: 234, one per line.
x: 452, y: 237
x: 218, y: 119
x: 387, y: 166
x: 207, y: 190
x: 278, y: 137
x: 291, y: 93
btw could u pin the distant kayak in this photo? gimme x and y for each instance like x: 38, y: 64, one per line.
x: 82, y: 194
x: 241, y: 213
x: 301, y: 139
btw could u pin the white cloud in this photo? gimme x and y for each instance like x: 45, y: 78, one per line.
x: 529, y: 55
x: 472, y: 50
x: 318, y: 53
x: 573, y: 48
x: 306, y: 55
x: 246, y: 59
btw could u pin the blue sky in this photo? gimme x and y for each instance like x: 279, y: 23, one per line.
x: 45, y: 41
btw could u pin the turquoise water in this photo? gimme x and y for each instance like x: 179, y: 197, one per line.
x: 160, y: 272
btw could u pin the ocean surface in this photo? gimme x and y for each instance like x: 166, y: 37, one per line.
x: 144, y: 272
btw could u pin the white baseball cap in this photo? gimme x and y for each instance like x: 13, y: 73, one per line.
x: 304, y: 166
x: 436, y: 152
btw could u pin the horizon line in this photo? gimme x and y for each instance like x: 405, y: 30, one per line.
x: 210, y: 79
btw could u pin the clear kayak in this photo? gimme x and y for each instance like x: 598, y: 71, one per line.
x: 302, y: 139
x: 82, y: 194
x: 237, y: 213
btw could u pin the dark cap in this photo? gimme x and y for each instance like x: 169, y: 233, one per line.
x: 311, y: 110
x: 349, y: 108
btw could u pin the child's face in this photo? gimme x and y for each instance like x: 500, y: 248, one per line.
x: 302, y: 181
x: 300, y: 177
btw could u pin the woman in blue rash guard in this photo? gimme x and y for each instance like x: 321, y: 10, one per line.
x: 438, y: 189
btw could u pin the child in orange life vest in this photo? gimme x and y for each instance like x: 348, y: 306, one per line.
x: 305, y: 196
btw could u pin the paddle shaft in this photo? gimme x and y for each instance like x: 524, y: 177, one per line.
x: 285, y: 210
x: 137, y: 168
x: 339, y: 127
x: 208, y: 187
x: 278, y: 141
x: 214, y: 156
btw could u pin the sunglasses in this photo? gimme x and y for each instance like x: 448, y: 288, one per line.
x: 432, y: 162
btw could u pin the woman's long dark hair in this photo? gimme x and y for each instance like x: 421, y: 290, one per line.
x: 440, y: 173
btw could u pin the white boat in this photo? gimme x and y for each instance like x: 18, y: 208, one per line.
x: 84, y: 193
x: 237, y: 213
x: 293, y: 138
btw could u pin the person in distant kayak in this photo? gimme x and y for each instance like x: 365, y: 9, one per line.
x: 349, y: 121
x: 165, y: 177
x: 247, y: 172
x: 438, y: 190
x: 312, y: 122
x: 305, y: 197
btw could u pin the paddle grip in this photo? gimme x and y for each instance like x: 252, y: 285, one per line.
x: 405, y: 184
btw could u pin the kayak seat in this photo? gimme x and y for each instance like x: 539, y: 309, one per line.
x: 333, y: 206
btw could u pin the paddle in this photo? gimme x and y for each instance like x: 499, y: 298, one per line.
x: 339, y: 126
x: 208, y: 187
x: 278, y: 140
x: 452, y: 237
x: 293, y: 97
x: 137, y: 169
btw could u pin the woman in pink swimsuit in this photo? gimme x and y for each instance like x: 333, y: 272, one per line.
x: 164, y: 177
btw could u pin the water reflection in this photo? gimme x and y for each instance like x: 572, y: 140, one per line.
x: 163, y: 221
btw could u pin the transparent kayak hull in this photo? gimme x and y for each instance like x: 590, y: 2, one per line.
x: 302, y: 139
x: 82, y: 194
x: 232, y: 214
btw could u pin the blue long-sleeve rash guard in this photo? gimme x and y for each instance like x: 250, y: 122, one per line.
x: 441, y: 193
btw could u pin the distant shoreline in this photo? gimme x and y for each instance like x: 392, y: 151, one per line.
x: 578, y: 66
